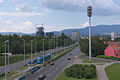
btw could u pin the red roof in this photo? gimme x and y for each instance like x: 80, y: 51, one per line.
x: 114, y: 45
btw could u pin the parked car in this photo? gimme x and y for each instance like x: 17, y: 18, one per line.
x: 41, y: 77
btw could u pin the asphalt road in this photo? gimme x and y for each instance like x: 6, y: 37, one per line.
x: 52, y: 71
x: 19, y: 64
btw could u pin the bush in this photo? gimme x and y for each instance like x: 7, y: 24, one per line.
x: 81, y: 71
x: 107, y: 57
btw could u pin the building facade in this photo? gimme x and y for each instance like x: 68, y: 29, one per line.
x: 75, y: 36
x: 112, y: 36
x: 113, y: 49
x: 40, y: 31
x: 49, y: 33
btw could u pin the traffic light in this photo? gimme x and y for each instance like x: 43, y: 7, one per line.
x: 89, y: 11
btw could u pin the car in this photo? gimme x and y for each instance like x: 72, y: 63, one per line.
x: 70, y: 53
x: 51, y: 63
x: 41, y: 77
x: 69, y: 58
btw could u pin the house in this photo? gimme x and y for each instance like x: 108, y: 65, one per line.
x: 113, y: 49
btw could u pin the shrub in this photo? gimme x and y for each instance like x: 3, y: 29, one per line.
x: 81, y: 71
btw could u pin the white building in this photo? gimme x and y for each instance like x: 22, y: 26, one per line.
x: 113, y: 36
x: 75, y: 36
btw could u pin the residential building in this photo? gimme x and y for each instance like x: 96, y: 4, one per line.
x: 113, y: 49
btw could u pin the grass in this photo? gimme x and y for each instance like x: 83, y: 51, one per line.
x: 92, y: 61
x: 113, y: 71
x: 63, y: 77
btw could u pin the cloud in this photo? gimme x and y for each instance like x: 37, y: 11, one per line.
x: 85, y: 25
x: 19, y: 14
x: 100, y: 7
x: 1, y: 1
x: 25, y: 27
x: 23, y: 8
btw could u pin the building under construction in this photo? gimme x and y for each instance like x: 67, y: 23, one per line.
x: 40, y: 31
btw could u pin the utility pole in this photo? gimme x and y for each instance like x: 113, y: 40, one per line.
x: 89, y: 13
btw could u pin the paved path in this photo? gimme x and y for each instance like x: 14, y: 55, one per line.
x: 101, y: 71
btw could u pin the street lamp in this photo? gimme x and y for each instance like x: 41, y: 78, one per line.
x: 56, y: 44
x: 5, y: 61
x: 89, y: 13
x: 35, y: 47
x: 8, y: 55
x: 51, y: 46
x: 7, y: 41
x: 43, y: 50
x: 24, y: 51
x: 31, y: 55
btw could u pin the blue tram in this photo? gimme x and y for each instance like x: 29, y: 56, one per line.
x: 45, y: 58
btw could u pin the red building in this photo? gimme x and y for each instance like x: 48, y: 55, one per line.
x: 113, y: 49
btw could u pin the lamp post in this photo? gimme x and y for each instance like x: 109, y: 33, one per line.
x: 89, y: 13
x: 51, y: 47
x: 8, y: 56
x: 24, y: 51
x: 56, y: 44
x: 35, y: 47
x: 5, y: 61
x: 7, y: 41
x: 43, y: 50
x: 31, y: 55
x: 49, y: 44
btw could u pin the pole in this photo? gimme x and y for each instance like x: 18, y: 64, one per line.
x: 43, y: 51
x: 8, y: 56
x: 5, y: 63
x: 35, y: 47
x: 51, y: 46
x: 24, y: 52
x: 31, y: 55
x: 89, y: 39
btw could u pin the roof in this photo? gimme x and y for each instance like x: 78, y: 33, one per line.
x: 114, y: 45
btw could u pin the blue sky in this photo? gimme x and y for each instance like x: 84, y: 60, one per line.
x: 56, y: 15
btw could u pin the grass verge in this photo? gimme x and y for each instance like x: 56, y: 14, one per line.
x: 92, y: 61
x: 63, y: 77
x: 113, y: 71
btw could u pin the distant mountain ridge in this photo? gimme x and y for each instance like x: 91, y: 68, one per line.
x: 95, y: 30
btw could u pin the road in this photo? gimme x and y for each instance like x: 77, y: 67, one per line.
x: 52, y: 71
x: 19, y: 64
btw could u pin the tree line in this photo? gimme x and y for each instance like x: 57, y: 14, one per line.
x: 97, y: 46
x: 16, y: 43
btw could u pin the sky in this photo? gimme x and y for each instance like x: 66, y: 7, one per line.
x: 55, y: 15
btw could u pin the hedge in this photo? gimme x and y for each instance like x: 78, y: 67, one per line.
x: 81, y: 71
